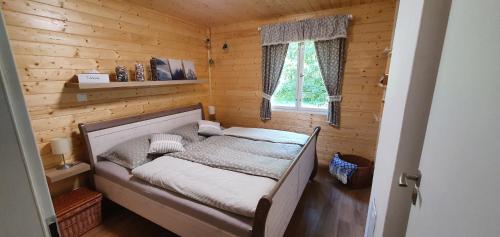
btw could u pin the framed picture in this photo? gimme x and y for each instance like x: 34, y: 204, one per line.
x: 160, y: 69
x: 189, y: 69
x: 176, y: 69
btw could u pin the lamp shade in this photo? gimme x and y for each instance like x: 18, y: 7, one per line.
x: 211, y: 109
x: 60, y: 146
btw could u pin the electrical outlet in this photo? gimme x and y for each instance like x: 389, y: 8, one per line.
x: 81, y: 97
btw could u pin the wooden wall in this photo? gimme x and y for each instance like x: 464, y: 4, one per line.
x: 229, y: 11
x: 55, y: 39
x: 236, y: 77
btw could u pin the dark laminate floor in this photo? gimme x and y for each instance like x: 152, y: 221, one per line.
x: 326, y: 209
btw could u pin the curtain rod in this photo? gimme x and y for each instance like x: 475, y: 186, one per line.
x: 348, y: 17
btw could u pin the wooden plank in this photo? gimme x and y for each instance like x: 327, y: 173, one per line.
x: 53, y: 40
x: 236, y: 80
x: 55, y: 175
x: 132, y: 84
x: 227, y: 11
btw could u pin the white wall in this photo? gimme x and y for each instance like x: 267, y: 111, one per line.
x: 418, y: 39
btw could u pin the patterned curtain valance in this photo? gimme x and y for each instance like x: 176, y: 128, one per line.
x: 324, y: 28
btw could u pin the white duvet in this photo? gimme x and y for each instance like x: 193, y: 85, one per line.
x: 270, y: 135
x: 231, y: 191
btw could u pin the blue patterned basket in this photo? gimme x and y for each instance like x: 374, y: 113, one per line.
x: 342, y: 169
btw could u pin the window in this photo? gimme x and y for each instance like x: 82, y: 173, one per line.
x: 301, y: 86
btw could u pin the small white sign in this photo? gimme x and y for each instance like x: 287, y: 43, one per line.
x: 93, y: 78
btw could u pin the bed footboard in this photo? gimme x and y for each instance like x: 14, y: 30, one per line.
x: 275, y: 210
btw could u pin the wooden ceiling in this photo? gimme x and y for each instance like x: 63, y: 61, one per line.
x: 219, y: 12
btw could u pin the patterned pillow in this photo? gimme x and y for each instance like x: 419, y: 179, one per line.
x: 129, y: 154
x: 165, y: 143
x: 189, y: 133
x: 209, y: 128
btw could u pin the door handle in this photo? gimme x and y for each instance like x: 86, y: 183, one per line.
x: 414, y: 195
x: 403, y: 179
x: 403, y: 182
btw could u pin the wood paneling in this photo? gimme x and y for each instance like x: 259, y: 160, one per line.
x: 131, y: 84
x: 236, y: 80
x: 216, y: 12
x: 54, y: 39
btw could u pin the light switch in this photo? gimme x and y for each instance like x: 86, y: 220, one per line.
x: 81, y: 97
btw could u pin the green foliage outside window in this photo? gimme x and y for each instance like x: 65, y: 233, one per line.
x: 314, y: 93
x: 285, y: 94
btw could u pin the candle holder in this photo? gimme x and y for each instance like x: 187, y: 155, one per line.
x: 121, y: 73
x: 139, y: 72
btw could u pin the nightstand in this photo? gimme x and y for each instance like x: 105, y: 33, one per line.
x: 54, y: 175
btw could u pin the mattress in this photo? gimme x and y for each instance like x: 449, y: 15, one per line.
x: 235, y: 224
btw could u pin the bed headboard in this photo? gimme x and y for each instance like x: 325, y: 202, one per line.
x: 101, y: 136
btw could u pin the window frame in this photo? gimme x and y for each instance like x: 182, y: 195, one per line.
x: 300, y: 86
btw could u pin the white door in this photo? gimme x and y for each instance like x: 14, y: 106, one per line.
x: 460, y: 163
x: 416, y: 52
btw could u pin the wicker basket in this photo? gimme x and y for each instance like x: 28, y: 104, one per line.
x: 78, y: 212
x: 362, y: 178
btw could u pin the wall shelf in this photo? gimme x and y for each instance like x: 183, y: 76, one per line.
x: 54, y: 175
x: 131, y: 84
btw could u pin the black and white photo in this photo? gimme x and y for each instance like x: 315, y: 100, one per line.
x: 189, y: 69
x: 160, y: 69
x: 176, y: 69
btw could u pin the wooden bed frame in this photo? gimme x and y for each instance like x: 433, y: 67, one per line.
x: 273, y: 212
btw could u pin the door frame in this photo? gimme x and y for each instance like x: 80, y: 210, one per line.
x: 25, y: 151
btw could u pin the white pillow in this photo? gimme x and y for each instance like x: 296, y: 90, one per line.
x: 162, y: 143
x: 209, y: 128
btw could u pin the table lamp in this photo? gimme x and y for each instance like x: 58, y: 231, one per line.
x: 211, y: 113
x: 61, y: 146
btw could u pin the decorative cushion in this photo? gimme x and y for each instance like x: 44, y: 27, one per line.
x: 129, y: 154
x: 162, y: 143
x: 209, y: 128
x: 189, y: 133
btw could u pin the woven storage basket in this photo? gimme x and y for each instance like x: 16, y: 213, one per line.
x: 78, y: 212
x: 362, y: 178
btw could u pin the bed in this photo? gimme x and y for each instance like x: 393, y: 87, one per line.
x: 177, y: 213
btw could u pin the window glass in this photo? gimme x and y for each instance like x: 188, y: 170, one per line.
x: 314, y: 93
x: 296, y: 92
x: 286, y: 92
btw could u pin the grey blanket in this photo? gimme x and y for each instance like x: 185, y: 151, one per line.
x: 259, y: 158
